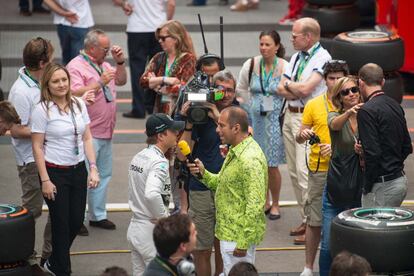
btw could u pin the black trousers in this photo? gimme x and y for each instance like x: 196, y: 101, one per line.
x: 141, y: 48
x: 67, y: 212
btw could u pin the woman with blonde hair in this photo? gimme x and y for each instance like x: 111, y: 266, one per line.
x: 344, y: 181
x: 61, y: 139
x: 172, y: 67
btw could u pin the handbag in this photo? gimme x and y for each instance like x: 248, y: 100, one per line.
x: 150, y: 94
x: 345, y: 180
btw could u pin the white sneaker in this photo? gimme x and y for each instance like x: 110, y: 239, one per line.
x: 307, y: 272
x: 46, y: 267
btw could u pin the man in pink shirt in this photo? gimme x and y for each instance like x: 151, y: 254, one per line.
x: 94, y: 79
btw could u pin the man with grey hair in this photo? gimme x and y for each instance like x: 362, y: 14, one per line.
x: 206, y: 144
x: 95, y: 79
x: 385, y: 140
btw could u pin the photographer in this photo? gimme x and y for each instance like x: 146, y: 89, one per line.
x: 314, y: 128
x: 174, y: 239
x: 205, y: 144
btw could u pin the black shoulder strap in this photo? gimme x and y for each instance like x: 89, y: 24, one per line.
x: 251, y: 68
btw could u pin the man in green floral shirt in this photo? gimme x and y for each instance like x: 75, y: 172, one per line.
x: 240, y: 189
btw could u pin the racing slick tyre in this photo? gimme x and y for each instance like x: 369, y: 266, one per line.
x: 394, y: 86
x: 360, y: 48
x: 17, y: 233
x: 330, y: 2
x: 16, y: 269
x: 335, y: 19
x: 384, y: 236
x: 326, y: 43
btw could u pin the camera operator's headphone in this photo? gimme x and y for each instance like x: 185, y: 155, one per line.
x: 185, y: 267
x: 209, y: 56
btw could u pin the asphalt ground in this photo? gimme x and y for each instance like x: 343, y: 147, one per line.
x: 102, y: 248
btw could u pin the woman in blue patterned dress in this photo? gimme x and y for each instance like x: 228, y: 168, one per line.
x: 257, y: 92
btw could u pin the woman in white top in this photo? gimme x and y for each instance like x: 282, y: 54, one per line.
x: 61, y: 139
x: 257, y: 86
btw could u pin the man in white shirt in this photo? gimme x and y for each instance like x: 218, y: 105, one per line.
x: 302, y: 81
x: 73, y: 18
x: 144, y: 17
x: 150, y: 187
x: 24, y: 95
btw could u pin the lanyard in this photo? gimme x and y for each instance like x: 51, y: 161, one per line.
x: 168, y: 70
x: 374, y: 94
x: 27, y: 73
x: 106, y: 91
x: 304, y: 60
x: 266, y: 77
x: 94, y: 66
x: 75, y: 126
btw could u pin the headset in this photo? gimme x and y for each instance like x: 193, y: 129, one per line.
x: 209, y: 56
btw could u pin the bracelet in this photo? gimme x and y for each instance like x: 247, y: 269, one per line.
x: 163, y: 81
x: 188, y: 129
x: 93, y: 166
x: 46, y: 180
x: 121, y: 63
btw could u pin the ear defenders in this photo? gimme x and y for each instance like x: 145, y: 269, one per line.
x: 209, y: 56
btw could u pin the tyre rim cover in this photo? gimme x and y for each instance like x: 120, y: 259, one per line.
x: 6, y: 209
x: 383, y: 214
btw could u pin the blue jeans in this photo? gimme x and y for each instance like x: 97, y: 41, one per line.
x: 71, y: 41
x: 97, y: 196
x: 200, y: 2
x: 24, y: 4
x: 329, y: 211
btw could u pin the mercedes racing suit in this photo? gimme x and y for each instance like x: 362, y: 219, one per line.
x: 149, y: 193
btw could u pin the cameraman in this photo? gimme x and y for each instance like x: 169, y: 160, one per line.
x: 174, y: 238
x: 314, y: 128
x: 205, y: 145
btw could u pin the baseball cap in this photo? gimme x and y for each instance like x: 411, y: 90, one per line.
x: 160, y: 122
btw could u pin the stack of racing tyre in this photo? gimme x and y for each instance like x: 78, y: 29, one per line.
x: 334, y: 17
x: 17, y: 235
x: 381, y: 47
x: 383, y: 236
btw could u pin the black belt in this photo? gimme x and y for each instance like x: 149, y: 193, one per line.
x: 389, y: 177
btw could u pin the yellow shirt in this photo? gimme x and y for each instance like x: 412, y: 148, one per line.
x: 315, y: 115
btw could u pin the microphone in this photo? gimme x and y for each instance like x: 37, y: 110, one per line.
x: 186, y: 151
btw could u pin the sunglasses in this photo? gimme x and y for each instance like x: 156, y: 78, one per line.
x: 163, y: 37
x: 345, y: 92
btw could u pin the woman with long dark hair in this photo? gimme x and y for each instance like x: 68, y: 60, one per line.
x: 61, y: 139
x: 257, y: 86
